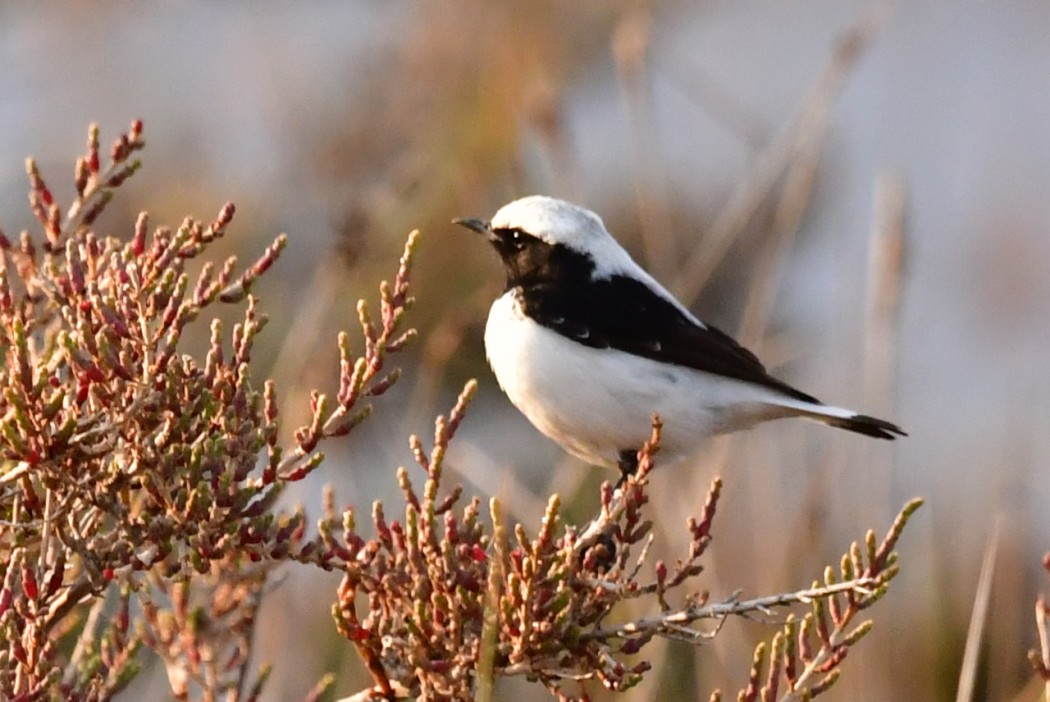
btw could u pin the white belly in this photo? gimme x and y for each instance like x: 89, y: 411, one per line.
x: 598, y: 402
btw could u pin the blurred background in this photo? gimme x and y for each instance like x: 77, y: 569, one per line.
x: 857, y: 191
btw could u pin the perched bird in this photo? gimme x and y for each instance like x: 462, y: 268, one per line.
x: 589, y: 346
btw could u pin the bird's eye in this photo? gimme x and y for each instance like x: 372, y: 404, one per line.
x: 516, y: 239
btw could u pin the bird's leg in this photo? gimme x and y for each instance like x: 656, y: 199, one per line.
x: 628, y: 464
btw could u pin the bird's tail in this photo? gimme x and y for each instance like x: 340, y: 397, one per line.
x: 843, y: 419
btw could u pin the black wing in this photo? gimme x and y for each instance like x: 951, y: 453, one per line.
x: 624, y: 314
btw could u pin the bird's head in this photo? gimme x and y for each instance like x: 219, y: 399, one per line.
x: 537, y: 232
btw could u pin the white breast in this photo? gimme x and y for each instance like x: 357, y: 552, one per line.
x: 598, y: 402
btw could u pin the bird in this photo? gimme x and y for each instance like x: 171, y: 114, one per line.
x: 590, y: 347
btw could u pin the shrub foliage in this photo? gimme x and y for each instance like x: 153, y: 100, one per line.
x: 138, y: 487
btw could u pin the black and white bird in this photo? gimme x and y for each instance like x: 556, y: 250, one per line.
x: 589, y: 346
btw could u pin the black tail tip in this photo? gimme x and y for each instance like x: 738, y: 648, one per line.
x: 871, y: 426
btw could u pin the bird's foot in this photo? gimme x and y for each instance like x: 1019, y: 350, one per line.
x: 628, y: 465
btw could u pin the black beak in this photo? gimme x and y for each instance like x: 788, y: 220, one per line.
x: 480, y: 226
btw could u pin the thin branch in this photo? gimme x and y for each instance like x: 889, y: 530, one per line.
x: 978, y: 618
x: 670, y: 624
